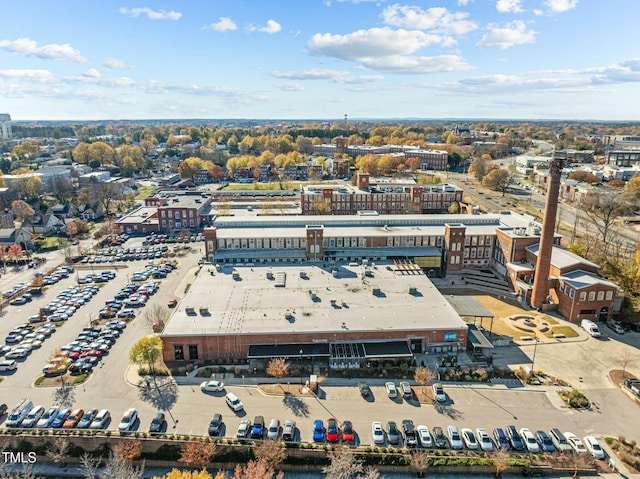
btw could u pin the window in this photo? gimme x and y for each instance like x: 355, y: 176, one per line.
x: 193, y: 351
x: 592, y: 295
x: 164, y: 223
x: 571, y: 293
x: 562, y: 287
x: 609, y: 295
x: 190, y: 213
x: 162, y: 213
x: 583, y: 296
x: 178, y: 352
x: 191, y: 223
x: 177, y: 215
x: 600, y: 295
x: 170, y: 214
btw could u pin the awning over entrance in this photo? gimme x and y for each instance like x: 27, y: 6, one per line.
x: 387, y: 349
x: 477, y: 339
x: 288, y: 350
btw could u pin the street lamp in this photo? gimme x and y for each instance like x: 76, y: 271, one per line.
x: 533, y: 359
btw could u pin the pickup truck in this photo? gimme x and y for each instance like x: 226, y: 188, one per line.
x: 633, y: 385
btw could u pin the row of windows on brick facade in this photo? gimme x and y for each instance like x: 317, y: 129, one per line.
x: 584, y: 296
x: 327, y: 242
x: 178, y: 351
x: 177, y: 215
x: 177, y: 223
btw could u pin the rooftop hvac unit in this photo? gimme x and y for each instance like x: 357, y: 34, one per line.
x: 235, y: 275
x: 334, y: 273
x: 413, y: 290
x: 313, y: 294
x: 281, y: 279
x: 375, y: 290
x: 269, y: 275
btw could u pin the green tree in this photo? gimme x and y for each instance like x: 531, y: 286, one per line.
x: 146, y: 352
x: 101, y: 152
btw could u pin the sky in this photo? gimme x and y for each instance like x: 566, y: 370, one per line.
x: 319, y: 59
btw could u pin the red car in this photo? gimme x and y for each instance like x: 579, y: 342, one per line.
x: 73, y: 355
x: 172, y: 303
x: 92, y: 352
x: 333, y: 431
x: 347, y: 432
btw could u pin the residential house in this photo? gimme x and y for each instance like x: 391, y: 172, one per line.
x: 9, y: 236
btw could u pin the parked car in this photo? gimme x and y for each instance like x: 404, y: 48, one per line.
x: 233, y: 402
x: 575, y: 443
x: 530, y: 441
x: 469, y: 438
x: 365, y: 390
x: 514, y: 438
x: 484, y: 440
x: 87, y: 419
x: 8, y: 365
x: 377, y: 433
x: 405, y: 388
x: 501, y: 439
x: 244, y: 429
x: 128, y: 420
x: 273, y: 431
x: 438, y: 392
x: 409, y: 431
x: 289, y: 430
x: 546, y: 445
x: 348, y: 436
x: 593, y: 447
x: 439, y: 438
x: 47, y: 418
x: 333, y: 431
x: 211, y: 386
x: 62, y: 416
x: 424, y: 436
x: 215, y: 425
x: 318, y: 431
x: 393, y: 434
x: 101, y: 420
x: 157, y: 423
x: 73, y: 419
x: 392, y: 392
x: 559, y: 440
x: 454, y: 437
x: 33, y: 417
x: 257, y: 430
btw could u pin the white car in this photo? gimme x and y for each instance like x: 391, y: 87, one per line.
x: 575, y: 443
x: 233, y: 402
x: 438, y: 392
x: 591, y: 443
x: 486, y: 444
x: 392, y: 392
x: 274, y: 429
x: 128, y: 420
x: 377, y: 433
x: 19, y: 352
x: 243, y: 429
x: 211, y: 386
x: 47, y: 418
x: 469, y: 438
x: 529, y: 440
x: 33, y: 417
x: 424, y: 436
x: 454, y: 437
x: 8, y: 365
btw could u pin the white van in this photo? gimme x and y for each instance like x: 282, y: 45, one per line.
x: 590, y: 327
x: 18, y: 413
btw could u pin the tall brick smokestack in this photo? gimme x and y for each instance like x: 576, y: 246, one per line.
x: 543, y: 265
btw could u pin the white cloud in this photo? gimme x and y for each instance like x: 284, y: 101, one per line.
x: 372, y: 43
x: 509, y: 6
x: 290, y: 86
x: 271, y: 27
x: 559, y: 6
x: 38, y: 76
x: 115, y: 64
x: 337, y: 76
x: 538, y: 12
x: 417, y: 65
x: 151, y: 14
x: 438, y: 19
x: 92, y: 73
x: 224, y: 24
x: 462, y: 3
x: 507, y: 36
x: 51, y: 51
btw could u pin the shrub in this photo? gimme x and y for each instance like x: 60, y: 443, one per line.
x: 166, y: 452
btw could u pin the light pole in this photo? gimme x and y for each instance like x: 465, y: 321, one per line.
x: 533, y: 359
x: 300, y: 353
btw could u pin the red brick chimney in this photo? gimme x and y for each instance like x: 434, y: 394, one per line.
x: 543, y: 264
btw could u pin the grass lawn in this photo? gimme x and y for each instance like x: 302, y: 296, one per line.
x: 568, y: 332
x: 144, y: 191
x: 51, y: 242
x: 259, y: 186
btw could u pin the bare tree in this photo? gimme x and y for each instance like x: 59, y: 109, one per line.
x: 501, y: 461
x: 90, y: 466
x: 423, y: 376
x: 343, y: 464
x: 156, y: 317
x: 58, y: 449
x: 420, y: 461
x: 64, y: 396
x: 370, y: 472
x: 624, y: 361
x: 603, y: 208
x: 271, y: 453
x: 120, y: 468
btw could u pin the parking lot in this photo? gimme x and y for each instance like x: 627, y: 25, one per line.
x: 112, y: 386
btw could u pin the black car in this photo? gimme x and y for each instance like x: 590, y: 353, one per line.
x: 365, y: 390
x: 215, y: 425
x: 409, y: 430
x: 439, y: 438
x: 514, y: 438
x: 3, y: 409
x: 157, y: 423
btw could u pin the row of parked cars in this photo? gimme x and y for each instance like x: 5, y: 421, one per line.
x: 116, y: 254
x: 26, y: 415
x: 508, y: 438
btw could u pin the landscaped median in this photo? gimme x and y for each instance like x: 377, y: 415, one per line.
x: 220, y: 453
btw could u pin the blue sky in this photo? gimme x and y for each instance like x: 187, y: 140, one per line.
x: 319, y: 59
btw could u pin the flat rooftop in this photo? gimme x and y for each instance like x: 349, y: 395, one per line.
x: 314, y: 300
